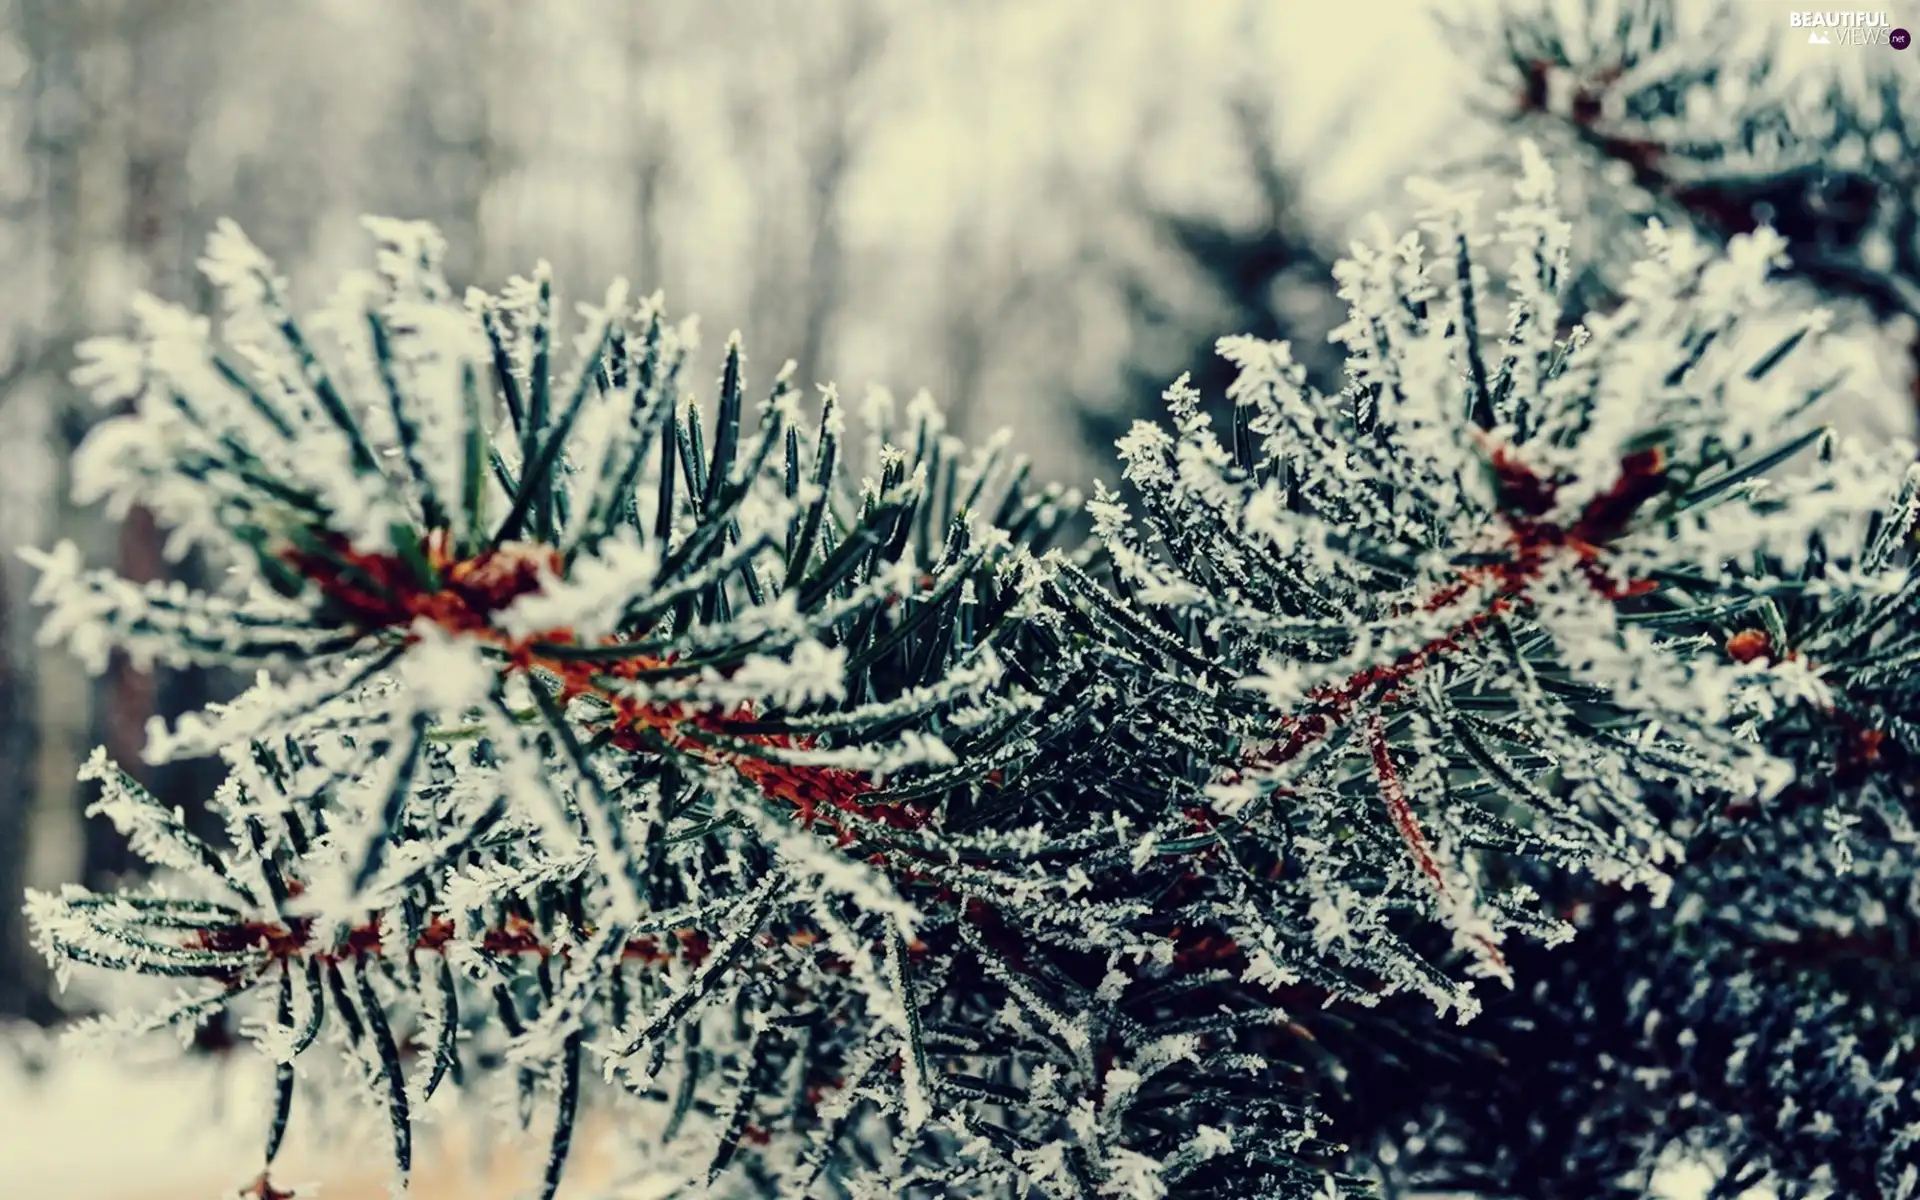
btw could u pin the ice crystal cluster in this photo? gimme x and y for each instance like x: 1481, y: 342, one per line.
x: 794, y: 798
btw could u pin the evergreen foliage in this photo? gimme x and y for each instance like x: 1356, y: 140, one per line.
x: 1692, y: 114
x: 798, y: 800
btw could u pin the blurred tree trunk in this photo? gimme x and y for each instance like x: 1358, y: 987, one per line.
x: 113, y: 142
x: 448, y: 121
x: 803, y: 134
x: 80, y: 125
x: 650, y: 148
x: 172, y: 74
x: 21, y: 992
x: 842, y: 132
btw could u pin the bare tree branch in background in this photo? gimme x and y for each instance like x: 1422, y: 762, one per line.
x: 799, y: 267
x: 995, y: 305
x: 1210, y: 275
x: 843, y: 129
x: 648, y: 145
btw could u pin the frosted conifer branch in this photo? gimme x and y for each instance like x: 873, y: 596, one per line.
x: 833, y: 809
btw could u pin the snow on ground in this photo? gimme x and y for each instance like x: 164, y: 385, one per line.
x: 122, y: 1128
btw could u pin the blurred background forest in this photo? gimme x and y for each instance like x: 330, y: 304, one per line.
x: 1041, y: 211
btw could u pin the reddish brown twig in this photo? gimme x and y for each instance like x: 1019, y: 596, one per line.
x: 1530, y: 541
x: 384, y: 591
x: 263, y: 1189
x: 1394, y: 792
